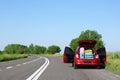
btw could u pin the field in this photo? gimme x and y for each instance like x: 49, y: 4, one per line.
x: 113, y: 62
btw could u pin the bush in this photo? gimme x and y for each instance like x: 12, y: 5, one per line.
x: 7, y: 57
x: 39, y: 49
x: 16, y: 48
x: 53, y: 49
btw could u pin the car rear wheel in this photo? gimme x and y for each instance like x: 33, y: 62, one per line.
x: 102, y: 66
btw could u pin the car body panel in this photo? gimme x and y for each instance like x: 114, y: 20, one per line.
x: 68, y: 55
x: 87, y: 62
x: 102, y: 55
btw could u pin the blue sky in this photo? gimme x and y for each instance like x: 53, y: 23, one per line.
x: 48, y: 22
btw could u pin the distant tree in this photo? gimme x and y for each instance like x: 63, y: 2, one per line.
x: 74, y: 44
x: 53, y: 49
x: 42, y: 49
x: 23, y: 49
x: 39, y: 49
x: 31, y: 48
x: 87, y: 35
x: 0, y: 52
x: 90, y: 35
x: 16, y: 48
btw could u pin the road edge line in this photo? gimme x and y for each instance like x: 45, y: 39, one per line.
x: 39, y: 71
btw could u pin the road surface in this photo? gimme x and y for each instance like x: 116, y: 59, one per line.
x: 51, y: 68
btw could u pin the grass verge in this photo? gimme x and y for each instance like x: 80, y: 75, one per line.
x: 54, y: 55
x: 113, y: 62
x: 113, y: 65
x: 7, y: 57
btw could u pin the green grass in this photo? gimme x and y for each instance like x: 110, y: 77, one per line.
x: 113, y: 62
x: 7, y: 57
x: 113, y: 65
x: 113, y: 55
x: 54, y: 55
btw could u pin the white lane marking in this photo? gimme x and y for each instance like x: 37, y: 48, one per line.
x: 31, y: 61
x: 9, y: 67
x: 18, y: 65
x: 38, y: 73
x: 24, y: 63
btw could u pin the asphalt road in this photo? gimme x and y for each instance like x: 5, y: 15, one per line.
x: 56, y: 70
x: 20, y: 69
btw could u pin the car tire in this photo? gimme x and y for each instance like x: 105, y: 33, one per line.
x: 102, y: 66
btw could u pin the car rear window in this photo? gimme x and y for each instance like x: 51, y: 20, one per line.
x: 86, y: 53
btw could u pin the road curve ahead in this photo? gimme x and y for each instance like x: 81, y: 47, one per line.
x: 60, y: 71
x: 23, y: 69
x: 49, y: 68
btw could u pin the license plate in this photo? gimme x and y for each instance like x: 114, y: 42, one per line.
x: 87, y: 62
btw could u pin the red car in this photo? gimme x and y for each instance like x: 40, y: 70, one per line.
x: 87, y: 55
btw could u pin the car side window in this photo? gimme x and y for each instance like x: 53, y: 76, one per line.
x: 69, y: 51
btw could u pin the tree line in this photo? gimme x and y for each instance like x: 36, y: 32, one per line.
x: 36, y: 49
x: 31, y: 49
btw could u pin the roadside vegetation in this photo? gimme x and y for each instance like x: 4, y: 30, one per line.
x: 113, y: 62
x: 7, y: 57
x: 52, y: 55
x: 17, y: 51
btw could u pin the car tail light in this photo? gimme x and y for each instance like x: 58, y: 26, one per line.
x: 97, y: 56
x: 94, y: 61
x: 77, y: 56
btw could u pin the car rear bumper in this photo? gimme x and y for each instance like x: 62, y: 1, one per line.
x: 87, y: 62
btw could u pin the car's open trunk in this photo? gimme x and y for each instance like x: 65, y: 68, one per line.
x: 87, y: 43
x: 86, y: 48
